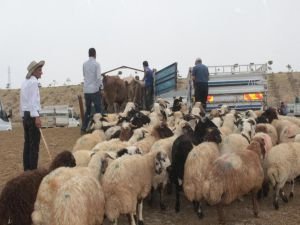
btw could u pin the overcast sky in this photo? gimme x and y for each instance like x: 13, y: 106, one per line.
x: 126, y: 32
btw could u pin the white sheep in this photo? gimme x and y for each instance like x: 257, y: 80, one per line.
x: 88, y: 141
x: 283, y: 164
x: 50, y: 201
x: 83, y: 157
x: 127, y: 181
x: 228, y: 125
x: 196, y: 167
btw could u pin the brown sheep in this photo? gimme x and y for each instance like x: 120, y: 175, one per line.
x: 234, y: 175
x: 19, y: 194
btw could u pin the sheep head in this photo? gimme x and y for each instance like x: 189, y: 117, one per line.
x: 162, y: 162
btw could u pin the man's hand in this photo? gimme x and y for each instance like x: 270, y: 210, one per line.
x: 38, y: 122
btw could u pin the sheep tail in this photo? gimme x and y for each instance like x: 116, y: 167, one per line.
x: 273, y: 175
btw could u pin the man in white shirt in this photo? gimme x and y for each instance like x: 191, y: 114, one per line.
x: 92, y: 86
x: 30, y: 107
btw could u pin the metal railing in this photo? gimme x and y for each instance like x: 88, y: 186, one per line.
x: 238, y: 69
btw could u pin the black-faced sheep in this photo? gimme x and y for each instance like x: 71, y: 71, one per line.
x: 180, y: 150
x: 19, y: 194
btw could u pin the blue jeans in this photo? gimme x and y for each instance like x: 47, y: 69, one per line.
x: 89, y: 99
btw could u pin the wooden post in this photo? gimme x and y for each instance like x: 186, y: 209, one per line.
x: 81, y: 108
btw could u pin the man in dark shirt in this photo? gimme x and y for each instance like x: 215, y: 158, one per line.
x: 200, y: 76
x: 148, y: 78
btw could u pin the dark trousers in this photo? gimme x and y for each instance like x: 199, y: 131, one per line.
x: 89, y: 99
x: 201, y: 92
x: 32, y: 138
x: 148, y: 97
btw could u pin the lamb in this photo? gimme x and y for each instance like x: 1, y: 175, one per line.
x: 95, y: 123
x: 176, y: 103
x: 128, y: 180
x: 283, y: 164
x: 19, y: 194
x: 82, y: 185
x: 88, y: 141
x: 234, y: 175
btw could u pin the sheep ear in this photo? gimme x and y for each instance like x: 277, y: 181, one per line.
x: 158, y: 156
x: 122, y: 152
x: 108, y: 155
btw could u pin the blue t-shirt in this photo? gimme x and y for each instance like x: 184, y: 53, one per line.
x: 148, y: 77
x: 201, y: 73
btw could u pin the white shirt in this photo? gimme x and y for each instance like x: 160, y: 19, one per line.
x: 92, y: 76
x: 30, y: 97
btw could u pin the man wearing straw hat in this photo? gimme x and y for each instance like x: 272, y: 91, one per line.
x: 30, y: 107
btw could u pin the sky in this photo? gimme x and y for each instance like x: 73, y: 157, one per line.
x: 127, y: 32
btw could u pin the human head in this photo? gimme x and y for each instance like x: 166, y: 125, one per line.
x: 35, y: 69
x: 145, y: 64
x: 92, y: 52
x: 198, y: 61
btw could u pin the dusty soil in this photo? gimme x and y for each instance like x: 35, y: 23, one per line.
x: 238, y: 213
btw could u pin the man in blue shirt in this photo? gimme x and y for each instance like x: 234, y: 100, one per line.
x: 148, y: 78
x: 200, y: 76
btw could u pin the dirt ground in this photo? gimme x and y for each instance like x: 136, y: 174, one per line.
x: 238, y: 213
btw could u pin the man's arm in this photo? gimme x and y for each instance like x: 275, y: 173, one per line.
x: 99, y: 77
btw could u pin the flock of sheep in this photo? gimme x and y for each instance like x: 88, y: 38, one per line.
x: 213, y: 158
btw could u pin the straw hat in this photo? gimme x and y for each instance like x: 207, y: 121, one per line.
x: 33, y: 66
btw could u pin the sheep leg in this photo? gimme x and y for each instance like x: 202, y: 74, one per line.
x: 255, y: 203
x: 151, y: 197
x: 131, y: 219
x: 292, y: 190
x: 116, y: 222
x: 161, y: 203
x: 275, y: 197
x: 177, y: 205
x: 198, y: 209
x: 140, y: 213
x: 282, y: 195
x: 220, y: 212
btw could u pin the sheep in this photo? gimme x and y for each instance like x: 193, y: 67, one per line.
x: 116, y: 144
x: 157, y: 132
x: 180, y: 151
x: 127, y: 181
x: 228, y: 124
x: 19, y: 194
x: 297, y: 138
x: 198, y: 110
x: 129, y: 106
x: 292, y: 119
x: 88, y: 141
x: 82, y: 187
x: 234, y: 175
x: 83, y: 157
x: 247, y: 128
x: 176, y: 103
x: 268, y: 129
x: 233, y: 143
x: 113, y: 132
x: 283, y: 164
x: 95, y: 123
